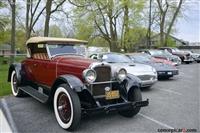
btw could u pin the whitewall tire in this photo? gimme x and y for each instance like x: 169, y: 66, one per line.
x: 67, y: 107
x: 14, y: 85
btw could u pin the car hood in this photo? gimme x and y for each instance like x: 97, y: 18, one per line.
x: 75, y: 61
x: 170, y: 57
x: 134, y: 68
x: 161, y: 66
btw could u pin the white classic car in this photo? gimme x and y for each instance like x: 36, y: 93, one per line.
x: 146, y: 73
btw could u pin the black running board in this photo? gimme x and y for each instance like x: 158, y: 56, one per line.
x: 35, y: 94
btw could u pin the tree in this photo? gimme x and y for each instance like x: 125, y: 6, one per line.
x: 2, y: 19
x: 167, y: 21
x: 13, y: 7
x: 49, y: 11
x: 111, y: 19
x: 55, y: 31
x: 32, y: 15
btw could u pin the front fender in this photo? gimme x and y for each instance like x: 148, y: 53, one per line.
x: 132, y: 81
x: 73, y: 82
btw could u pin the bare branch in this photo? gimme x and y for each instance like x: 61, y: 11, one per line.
x: 57, y: 6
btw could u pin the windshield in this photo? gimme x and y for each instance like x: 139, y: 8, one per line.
x: 65, y: 49
x: 166, y: 52
x: 175, y: 50
x: 115, y: 58
x: 141, y: 58
x: 156, y: 52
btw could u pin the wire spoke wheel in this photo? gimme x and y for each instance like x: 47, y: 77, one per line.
x: 63, y: 107
x: 67, y: 107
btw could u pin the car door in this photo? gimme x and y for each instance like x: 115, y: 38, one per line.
x: 45, y: 72
x: 41, y: 68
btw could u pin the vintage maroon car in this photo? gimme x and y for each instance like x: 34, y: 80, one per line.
x: 184, y: 56
x: 56, y: 71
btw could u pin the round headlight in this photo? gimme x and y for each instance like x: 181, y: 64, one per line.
x: 121, y: 75
x: 89, y: 75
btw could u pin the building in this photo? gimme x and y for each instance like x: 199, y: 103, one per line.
x: 5, y: 49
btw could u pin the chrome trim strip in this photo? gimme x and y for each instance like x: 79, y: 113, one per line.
x: 99, y: 96
x: 95, y: 83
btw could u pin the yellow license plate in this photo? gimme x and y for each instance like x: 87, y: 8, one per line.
x: 112, y: 94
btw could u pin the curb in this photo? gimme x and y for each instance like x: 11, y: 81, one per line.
x: 8, y: 115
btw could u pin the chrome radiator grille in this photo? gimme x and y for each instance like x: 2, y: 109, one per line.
x: 103, y: 73
x: 145, y: 77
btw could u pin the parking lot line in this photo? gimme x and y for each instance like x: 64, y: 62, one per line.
x: 171, y: 91
x: 156, y: 121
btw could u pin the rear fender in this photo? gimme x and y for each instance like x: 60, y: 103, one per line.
x: 18, y: 68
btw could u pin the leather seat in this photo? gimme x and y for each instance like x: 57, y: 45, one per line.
x: 41, y: 56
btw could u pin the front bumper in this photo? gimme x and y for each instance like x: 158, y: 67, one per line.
x: 177, y: 63
x: 188, y: 60
x: 117, y: 107
x: 147, y: 83
x: 168, y: 73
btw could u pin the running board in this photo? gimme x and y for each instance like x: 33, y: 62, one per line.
x: 35, y: 94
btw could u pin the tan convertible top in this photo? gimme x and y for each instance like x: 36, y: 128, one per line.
x: 35, y: 40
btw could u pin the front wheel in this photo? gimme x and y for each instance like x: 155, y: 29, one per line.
x: 67, y: 107
x: 133, y: 96
x: 15, y: 86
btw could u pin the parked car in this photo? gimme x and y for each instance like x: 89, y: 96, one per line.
x: 163, y: 70
x: 184, y: 56
x: 161, y: 54
x: 160, y: 60
x: 194, y: 55
x: 55, y: 71
x: 146, y: 73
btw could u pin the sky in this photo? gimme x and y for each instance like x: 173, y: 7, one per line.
x: 188, y: 27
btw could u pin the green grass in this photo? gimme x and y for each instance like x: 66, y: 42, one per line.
x: 5, y: 88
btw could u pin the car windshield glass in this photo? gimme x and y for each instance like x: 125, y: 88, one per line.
x: 166, y: 52
x: 156, y: 52
x: 175, y: 50
x: 115, y: 58
x: 141, y: 58
x: 66, y: 49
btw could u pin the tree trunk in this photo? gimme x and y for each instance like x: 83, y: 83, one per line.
x: 13, y: 33
x: 48, y: 15
x: 161, y: 33
x: 126, y: 26
x: 27, y: 19
x: 172, y: 22
x: 149, y: 27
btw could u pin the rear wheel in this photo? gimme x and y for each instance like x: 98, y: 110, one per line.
x: 15, y: 86
x: 133, y: 96
x: 67, y: 107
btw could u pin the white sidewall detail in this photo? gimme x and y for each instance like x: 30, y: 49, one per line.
x: 62, y: 124
x: 12, y: 82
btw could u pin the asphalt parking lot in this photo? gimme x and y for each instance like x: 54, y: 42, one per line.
x: 174, y: 104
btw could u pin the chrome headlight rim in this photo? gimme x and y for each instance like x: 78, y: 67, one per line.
x: 87, y: 73
x: 121, y: 74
